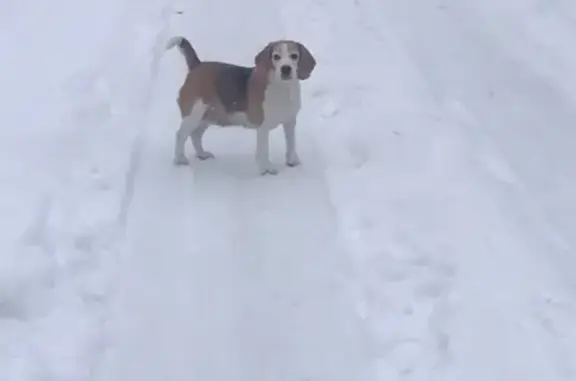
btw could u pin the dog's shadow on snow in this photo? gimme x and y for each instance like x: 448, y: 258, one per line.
x: 240, y: 167
x: 235, y: 158
x: 234, y: 166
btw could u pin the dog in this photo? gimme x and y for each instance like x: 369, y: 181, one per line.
x: 260, y: 98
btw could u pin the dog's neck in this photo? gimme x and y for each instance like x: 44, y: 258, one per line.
x: 285, y: 93
x: 288, y: 85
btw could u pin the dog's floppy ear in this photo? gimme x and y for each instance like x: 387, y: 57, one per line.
x: 264, y: 58
x: 306, y: 64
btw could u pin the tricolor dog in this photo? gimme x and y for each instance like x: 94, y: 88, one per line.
x: 260, y: 98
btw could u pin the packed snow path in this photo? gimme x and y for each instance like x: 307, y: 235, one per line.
x: 230, y: 275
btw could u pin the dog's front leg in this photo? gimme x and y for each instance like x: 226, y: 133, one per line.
x: 292, y: 159
x: 265, y: 166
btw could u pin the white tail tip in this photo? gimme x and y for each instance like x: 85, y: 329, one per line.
x: 174, y: 41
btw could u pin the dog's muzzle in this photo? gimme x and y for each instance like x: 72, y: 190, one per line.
x: 286, y: 72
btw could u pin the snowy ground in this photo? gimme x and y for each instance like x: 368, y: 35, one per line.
x: 429, y: 234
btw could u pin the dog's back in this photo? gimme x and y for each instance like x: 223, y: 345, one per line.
x: 221, y: 86
x: 232, y: 86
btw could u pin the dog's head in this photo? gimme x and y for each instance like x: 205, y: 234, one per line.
x: 288, y: 60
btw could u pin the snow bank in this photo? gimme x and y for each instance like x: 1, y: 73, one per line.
x: 443, y: 185
x: 75, y: 78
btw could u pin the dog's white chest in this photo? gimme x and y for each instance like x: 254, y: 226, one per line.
x: 281, y: 103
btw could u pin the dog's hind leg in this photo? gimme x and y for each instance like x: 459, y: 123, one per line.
x: 187, y: 127
x: 196, y: 136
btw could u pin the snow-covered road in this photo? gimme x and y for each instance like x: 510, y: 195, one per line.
x: 249, y: 269
x: 429, y: 234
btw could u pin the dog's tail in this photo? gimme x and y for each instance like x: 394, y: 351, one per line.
x: 186, y: 49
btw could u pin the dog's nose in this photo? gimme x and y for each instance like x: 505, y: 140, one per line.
x: 286, y: 70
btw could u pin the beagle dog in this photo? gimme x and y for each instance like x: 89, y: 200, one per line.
x: 259, y: 98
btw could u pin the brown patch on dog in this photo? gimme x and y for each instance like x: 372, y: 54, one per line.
x: 221, y: 86
x: 197, y: 86
x: 264, y: 58
x: 232, y: 85
x: 256, y: 91
x: 306, y: 64
x: 258, y: 84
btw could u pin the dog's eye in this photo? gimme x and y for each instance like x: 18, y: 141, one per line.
x: 294, y: 56
x: 276, y: 57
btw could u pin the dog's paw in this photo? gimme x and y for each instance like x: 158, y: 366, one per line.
x: 205, y: 155
x: 268, y: 169
x: 293, y: 160
x: 180, y: 160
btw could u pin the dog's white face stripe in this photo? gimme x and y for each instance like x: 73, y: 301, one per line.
x: 285, y: 57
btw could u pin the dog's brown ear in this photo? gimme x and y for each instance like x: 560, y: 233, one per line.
x: 306, y: 64
x: 264, y: 58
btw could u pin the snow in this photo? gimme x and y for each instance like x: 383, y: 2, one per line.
x: 429, y: 234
